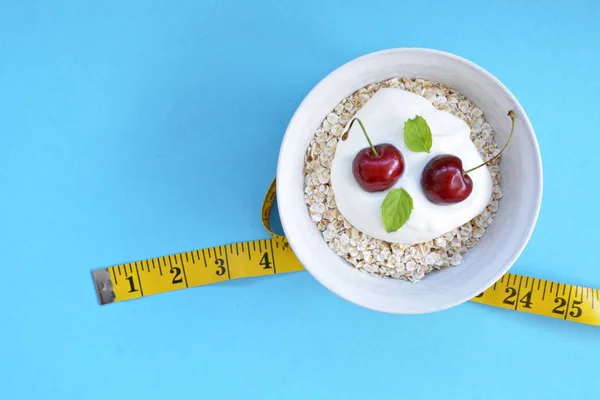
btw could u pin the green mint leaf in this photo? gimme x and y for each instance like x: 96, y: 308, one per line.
x: 396, y: 209
x: 417, y: 135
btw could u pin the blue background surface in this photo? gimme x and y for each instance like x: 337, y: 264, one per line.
x: 133, y: 129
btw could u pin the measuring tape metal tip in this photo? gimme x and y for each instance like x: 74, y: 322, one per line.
x: 104, y: 286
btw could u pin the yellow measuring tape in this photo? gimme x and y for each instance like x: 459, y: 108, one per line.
x: 274, y: 256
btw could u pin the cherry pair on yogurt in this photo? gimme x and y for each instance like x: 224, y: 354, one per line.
x: 444, y: 181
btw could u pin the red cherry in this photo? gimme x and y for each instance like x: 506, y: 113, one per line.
x: 444, y: 181
x: 375, y: 173
x: 376, y: 168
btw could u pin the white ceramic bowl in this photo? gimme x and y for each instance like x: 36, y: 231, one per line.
x: 504, y: 240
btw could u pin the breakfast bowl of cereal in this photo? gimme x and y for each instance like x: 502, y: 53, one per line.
x: 409, y: 181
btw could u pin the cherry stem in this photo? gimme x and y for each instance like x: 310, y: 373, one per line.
x: 375, y: 153
x: 511, y: 114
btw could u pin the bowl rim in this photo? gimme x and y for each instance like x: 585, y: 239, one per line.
x: 518, y: 109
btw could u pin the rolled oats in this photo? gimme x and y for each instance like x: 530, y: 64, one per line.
x: 373, y: 256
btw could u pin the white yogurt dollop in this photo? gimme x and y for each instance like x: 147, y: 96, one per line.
x: 384, y: 116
